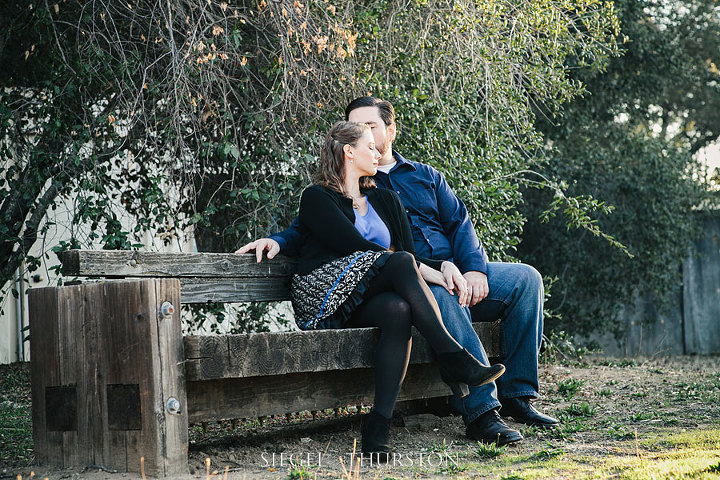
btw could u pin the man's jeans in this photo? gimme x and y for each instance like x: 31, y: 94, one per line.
x: 516, y: 297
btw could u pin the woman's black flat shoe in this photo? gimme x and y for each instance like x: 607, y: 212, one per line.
x: 376, y: 437
x: 461, y: 370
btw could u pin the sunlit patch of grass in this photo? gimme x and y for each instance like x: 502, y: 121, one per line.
x: 485, y: 450
x: 668, y: 464
x: 693, y: 455
x: 689, y: 454
x: 708, y: 438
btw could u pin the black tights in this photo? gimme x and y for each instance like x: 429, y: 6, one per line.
x: 398, y: 298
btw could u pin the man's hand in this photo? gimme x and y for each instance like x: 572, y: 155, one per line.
x: 455, y: 281
x: 272, y: 247
x: 478, y: 285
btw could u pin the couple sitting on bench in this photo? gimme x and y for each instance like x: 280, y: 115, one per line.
x: 407, y: 255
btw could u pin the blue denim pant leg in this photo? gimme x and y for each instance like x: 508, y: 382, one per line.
x: 516, y: 297
x: 457, y: 321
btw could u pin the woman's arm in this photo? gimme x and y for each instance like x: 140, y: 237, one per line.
x: 406, y: 241
x: 430, y: 275
x: 449, y: 278
x: 320, y: 213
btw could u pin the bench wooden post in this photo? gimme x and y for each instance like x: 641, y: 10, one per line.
x: 106, y: 365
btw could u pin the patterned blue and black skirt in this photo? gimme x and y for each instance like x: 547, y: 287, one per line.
x: 327, y: 296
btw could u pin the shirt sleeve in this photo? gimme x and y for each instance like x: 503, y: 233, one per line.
x: 468, y: 252
x: 322, y: 217
x: 289, y: 239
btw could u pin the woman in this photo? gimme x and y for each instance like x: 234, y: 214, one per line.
x: 357, y: 269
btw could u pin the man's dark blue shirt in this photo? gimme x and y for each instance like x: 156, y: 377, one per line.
x: 441, y: 226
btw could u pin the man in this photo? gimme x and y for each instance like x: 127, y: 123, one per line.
x: 442, y: 230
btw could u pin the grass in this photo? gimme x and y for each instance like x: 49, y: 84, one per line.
x: 570, y: 387
x: 567, y: 429
x: 299, y: 473
x: 663, y: 455
x: 547, y: 453
x: 582, y: 409
x: 16, y: 444
x: 484, y: 450
x: 626, y: 420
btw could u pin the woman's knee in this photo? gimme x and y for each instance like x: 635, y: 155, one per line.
x: 398, y: 319
x: 403, y: 261
x: 402, y: 257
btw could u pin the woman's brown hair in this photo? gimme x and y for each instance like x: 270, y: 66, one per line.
x: 331, y: 171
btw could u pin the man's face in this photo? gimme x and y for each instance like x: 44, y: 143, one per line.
x: 384, y: 135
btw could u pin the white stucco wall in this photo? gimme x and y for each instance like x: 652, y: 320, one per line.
x: 61, y: 229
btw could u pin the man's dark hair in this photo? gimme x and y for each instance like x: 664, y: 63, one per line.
x: 387, y: 112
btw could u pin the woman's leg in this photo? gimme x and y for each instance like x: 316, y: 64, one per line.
x: 458, y: 368
x: 401, y: 275
x: 392, y: 315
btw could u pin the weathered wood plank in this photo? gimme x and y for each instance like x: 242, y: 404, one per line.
x: 124, y: 345
x: 128, y: 263
x: 96, y: 364
x: 72, y: 360
x: 172, y: 383
x: 44, y: 370
x: 144, y: 353
x: 260, y: 354
x: 230, y: 290
x: 276, y: 395
x: 701, y: 291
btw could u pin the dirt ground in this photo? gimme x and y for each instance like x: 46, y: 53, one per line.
x: 611, y: 409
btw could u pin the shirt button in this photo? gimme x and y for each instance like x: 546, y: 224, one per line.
x: 398, y: 191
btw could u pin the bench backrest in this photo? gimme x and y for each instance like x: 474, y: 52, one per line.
x: 204, y: 277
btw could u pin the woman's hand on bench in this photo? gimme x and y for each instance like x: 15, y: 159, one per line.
x: 260, y: 245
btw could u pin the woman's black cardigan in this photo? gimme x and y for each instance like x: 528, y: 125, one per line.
x: 327, y: 220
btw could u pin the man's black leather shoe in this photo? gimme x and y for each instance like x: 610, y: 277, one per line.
x: 521, y: 410
x: 490, y: 428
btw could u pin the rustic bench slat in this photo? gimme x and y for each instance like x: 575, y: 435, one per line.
x: 231, y: 290
x: 126, y: 263
x: 280, y: 353
x: 297, y: 392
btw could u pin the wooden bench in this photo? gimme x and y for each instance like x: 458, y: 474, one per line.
x: 114, y: 380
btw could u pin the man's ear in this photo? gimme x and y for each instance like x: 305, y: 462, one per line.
x: 392, y: 131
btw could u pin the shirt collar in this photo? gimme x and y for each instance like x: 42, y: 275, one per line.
x: 401, y: 161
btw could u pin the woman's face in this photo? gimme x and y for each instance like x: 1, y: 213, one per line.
x: 365, y: 156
